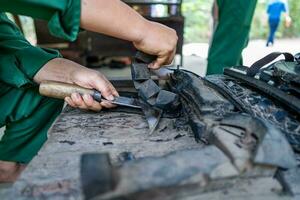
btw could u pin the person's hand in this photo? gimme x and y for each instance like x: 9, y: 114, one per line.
x: 158, y: 40
x: 115, y: 18
x: 288, y: 21
x: 92, y: 79
x: 66, y: 71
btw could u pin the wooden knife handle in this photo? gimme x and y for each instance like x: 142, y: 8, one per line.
x: 61, y: 90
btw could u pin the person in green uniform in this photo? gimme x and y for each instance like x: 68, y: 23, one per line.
x: 27, y: 115
x: 231, y: 34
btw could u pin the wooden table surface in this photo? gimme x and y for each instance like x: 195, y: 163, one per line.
x: 54, y: 172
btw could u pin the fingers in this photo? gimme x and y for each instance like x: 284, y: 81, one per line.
x: 163, y: 60
x: 91, y: 103
x: 84, y: 102
x: 93, y: 80
x: 113, y: 89
x: 69, y: 101
x: 158, y: 63
x: 107, y: 104
x: 171, y: 58
x: 107, y: 90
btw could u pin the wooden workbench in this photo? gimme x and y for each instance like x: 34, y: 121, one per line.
x: 54, y: 172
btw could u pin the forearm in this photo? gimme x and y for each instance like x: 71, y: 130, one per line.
x: 114, y: 18
x: 58, y: 69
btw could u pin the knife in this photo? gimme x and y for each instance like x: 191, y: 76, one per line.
x: 60, y: 90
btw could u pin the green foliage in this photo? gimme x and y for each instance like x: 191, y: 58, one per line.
x: 294, y: 30
x: 259, y: 27
x: 199, y: 21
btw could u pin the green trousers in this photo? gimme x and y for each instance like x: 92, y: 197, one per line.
x: 231, y: 34
x: 27, y: 117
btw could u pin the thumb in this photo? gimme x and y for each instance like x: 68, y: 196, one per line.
x: 105, y: 88
x: 158, y: 63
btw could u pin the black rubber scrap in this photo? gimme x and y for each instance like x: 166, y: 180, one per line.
x: 97, y: 175
x: 148, y: 89
x: 67, y: 142
x: 152, y: 101
x: 107, y: 143
x: 251, y: 101
x: 140, y: 72
x: 167, y: 100
x: 291, y: 102
x: 145, y: 58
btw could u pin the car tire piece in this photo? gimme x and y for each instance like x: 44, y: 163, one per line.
x: 289, y: 101
x: 201, y: 104
x: 255, y: 104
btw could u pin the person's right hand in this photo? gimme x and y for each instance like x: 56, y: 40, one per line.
x: 115, y: 18
x: 91, y: 79
x: 158, y: 40
x: 66, y: 71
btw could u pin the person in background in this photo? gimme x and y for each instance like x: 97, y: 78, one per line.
x: 231, y: 33
x: 274, y: 10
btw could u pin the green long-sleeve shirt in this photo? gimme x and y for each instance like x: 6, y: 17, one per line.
x: 20, y: 61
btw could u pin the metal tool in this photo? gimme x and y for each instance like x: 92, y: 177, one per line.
x: 153, y: 116
x: 61, y: 90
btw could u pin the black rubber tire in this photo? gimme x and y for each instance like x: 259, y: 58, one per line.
x: 96, y: 174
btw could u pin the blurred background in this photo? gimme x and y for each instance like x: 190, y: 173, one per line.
x: 199, y: 21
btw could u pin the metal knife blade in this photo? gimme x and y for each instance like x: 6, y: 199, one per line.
x: 153, y: 116
x: 127, y: 101
x: 61, y: 90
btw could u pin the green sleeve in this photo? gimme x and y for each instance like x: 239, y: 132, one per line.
x: 19, y: 60
x: 63, y: 16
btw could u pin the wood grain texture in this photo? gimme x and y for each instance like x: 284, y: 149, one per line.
x: 61, y: 90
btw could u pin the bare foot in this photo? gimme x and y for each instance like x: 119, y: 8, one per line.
x: 10, y: 171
